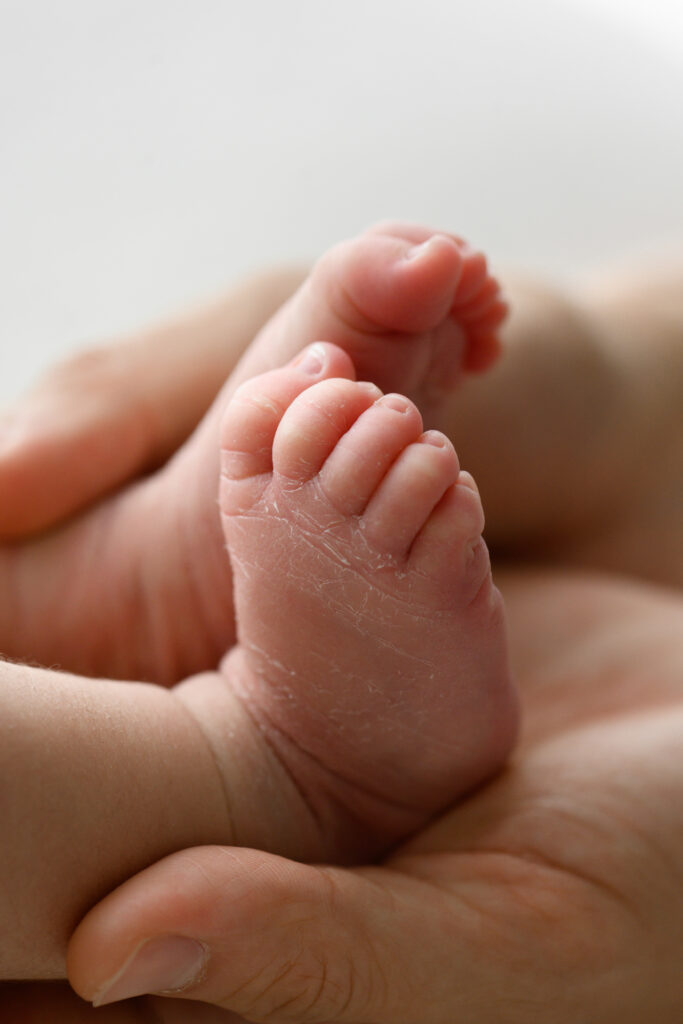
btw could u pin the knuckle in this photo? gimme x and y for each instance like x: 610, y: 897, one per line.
x: 322, y: 977
x: 306, y: 987
x: 105, y: 378
x: 85, y: 365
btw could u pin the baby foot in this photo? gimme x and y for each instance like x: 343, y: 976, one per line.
x: 410, y: 307
x: 371, y: 641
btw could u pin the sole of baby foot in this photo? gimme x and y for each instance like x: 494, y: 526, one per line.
x: 371, y: 651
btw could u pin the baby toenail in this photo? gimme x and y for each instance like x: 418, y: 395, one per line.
x: 416, y: 251
x: 467, y: 480
x: 370, y: 388
x: 311, y: 360
x: 396, y: 402
x: 435, y: 438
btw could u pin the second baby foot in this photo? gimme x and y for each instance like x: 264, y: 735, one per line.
x: 371, y: 641
x: 412, y: 307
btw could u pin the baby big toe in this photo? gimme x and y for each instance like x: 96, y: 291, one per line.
x: 405, y: 499
x: 389, y: 282
x: 252, y: 417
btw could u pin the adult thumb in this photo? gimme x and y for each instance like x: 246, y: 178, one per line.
x: 270, y: 940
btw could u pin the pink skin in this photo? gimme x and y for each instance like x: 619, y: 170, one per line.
x: 412, y: 309
x: 370, y: 635
x: 369, y: 687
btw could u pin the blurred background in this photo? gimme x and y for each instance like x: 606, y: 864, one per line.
x: 154, y: 150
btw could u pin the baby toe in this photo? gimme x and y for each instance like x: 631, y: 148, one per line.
x: 386, y: 282
x: 364, y: 454
x: 450, y: 546
x: 407, y: 495
x: 253, y: 415
x: 314, y: 423
x: 475, y: 274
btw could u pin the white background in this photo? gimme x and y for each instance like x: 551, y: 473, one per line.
x: 152, y: 150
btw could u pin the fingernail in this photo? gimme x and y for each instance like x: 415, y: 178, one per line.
x: 166, y: 964
x: 312, y: 360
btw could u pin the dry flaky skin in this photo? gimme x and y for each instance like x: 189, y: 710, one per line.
x: 370, y: 636
x: 149, y: 563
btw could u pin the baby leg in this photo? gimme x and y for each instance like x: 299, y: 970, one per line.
x: 587, y: 395
x: 97, y: 780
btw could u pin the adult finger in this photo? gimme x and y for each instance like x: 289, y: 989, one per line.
x: 275, y: 941
x: 267, y: 938
x: 110, y: 413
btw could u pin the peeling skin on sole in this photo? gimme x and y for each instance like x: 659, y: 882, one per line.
x: 349, y: 575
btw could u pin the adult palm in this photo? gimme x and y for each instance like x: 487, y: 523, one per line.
x: 552, y: 895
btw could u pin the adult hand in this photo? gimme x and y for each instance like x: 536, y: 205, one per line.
x: 112, y: 412
x: 552, y: 895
